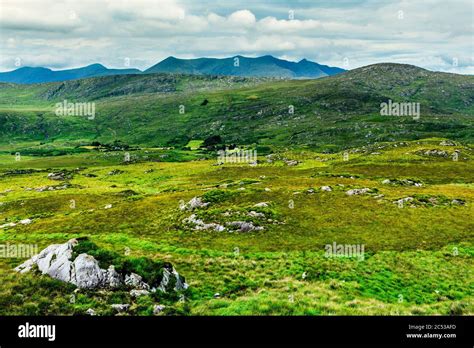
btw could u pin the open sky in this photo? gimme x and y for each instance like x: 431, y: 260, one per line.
x: 59, y: 34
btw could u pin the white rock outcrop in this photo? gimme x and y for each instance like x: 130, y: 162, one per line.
x: 84, y: 271
x: 243, y: 226
x: 194, y: 203
x: 169, y: 274
x: 358, y: 191
x: 201, y: 225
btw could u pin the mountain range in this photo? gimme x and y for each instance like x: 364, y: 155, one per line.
x: 265, y: 66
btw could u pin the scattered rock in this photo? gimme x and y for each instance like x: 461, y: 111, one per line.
x: 402, y: 201
x: 58, y: 176
x: 406, y: 199
x: 113, y: 278
x: 262, y: 205
x: 201, y: 225
x: 51, y: 188
x: 138, y: 293
x: 120, y: 308
x: 357, y: 191
x: 326, y: 188
x: 135, y: 281
x: 429, y: 201
x: 157, y: 309
x: 256, y: 214
x: 435, y: 153
x: 402, y: 182
x: 170, y: 273
x: 291, y: 162
x: 243, y: 226
x: 194, y: 203
x: 91, y: 312
x: 447, y: 143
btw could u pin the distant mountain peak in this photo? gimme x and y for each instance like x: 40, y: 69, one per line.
x: 170, y: 58
x: 96, y: 65
x: 27, y: 75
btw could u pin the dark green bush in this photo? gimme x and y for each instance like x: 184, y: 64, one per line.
x: 151, y: 271
x: 214, y: 196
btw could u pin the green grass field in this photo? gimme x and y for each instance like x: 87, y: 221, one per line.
x: 417, y: 260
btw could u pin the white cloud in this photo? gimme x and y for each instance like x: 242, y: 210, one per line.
x: 242, y: 17
x: 70, y: 33
x: 163, y: 9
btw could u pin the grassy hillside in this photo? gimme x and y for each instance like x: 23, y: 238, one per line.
x: 327, y: 114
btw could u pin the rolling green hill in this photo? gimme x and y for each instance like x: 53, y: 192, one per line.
x: 327, y: 114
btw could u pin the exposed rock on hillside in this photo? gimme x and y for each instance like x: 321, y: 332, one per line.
x: 402, y: 182
x: 358, y: 191
x: 243, y: 226
x: 59, y: 262
x: 434, y: 152
x: 201, y: 225
x: 428, y: 201
x: 62, y: 175
x: 194, y: 203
